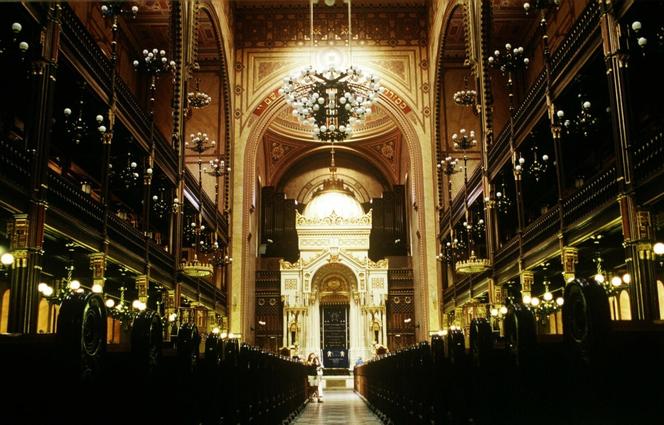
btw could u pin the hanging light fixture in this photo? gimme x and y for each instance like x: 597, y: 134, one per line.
x: 472, y: 264
x: 331, y: 101
x: 465, y: 97
x: 200, y: 142
x: 198, y: 99
x: 216, y: 168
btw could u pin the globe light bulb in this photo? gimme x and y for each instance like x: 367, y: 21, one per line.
x: 7, y: 259
x: 616, y: 281
x: 97, y: 288
x: 548, y: 296
x: 503, y: 310
x: 172, y: 317
x: 215, y: 330
x: 627, y: 278
x: 223, y: 335
x: 110, y: 303
x: 41, y: 287
x: 599, y: 278
x: 534, y: 301
x: 48, y: 291
x: 75, y: 284
x: 658, y: 248
x: 527, y: 299
x: 494, y: 312
x: 560, y: 301
x: 136, y: 304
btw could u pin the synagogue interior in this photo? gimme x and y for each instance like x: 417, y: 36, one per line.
x: 332, y: 212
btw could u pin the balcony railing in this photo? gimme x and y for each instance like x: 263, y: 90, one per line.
x: 69, y: 198
x: 648, y: 156
x: 544, y: 226
x: 14, y: 163
x: 599, y: 191
x: 560, y: 60
x: 80, y: 43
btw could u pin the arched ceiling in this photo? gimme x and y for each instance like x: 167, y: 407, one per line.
x: 307, y: 174
x: 383, y: 154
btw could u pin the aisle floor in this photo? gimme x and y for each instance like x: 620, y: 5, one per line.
x: 340, y: 407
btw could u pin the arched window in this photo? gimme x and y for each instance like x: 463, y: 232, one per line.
x: 660, y: 298
x: 4, y: 311
x: 44, y: 317
x: 625, y: 309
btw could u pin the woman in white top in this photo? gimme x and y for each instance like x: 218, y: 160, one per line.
x: 315, y: 380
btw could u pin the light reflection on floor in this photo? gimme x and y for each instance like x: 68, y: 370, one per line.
x: 340, y: 407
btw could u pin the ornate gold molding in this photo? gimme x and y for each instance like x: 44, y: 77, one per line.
x: 333, y: 220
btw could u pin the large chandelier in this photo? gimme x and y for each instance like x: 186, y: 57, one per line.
x: 331, y: 101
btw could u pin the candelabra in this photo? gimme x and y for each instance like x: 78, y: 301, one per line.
x: 538, y: 167
x: 463, y: 141
x: 160, y: 205
x: 128, y: 175
x: 465, y: 97
x: 584, y: 123
x: 154, y: 63
x: 75, y: 125
x: 198, y: 99
x: 508, y: 62
x: 217, y: 168
x: 112, y: 9
x: 637, y: 35
x: 540, y: 5
x: 12, y: 43
x: 503, y: 202
x: 449, y: 249
x: 331, y: 101
x: 543, y: 307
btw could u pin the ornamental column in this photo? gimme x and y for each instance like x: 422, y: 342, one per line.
x: 26, y: 232
x: 98, y: 267
x: 569, y: 258
x: 23, y: 298
x: 142, y: 283
x: 527, y: 280
x: 636, y: 223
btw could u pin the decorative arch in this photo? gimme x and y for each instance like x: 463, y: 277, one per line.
x: 405, y: 125
x: 321, y: 282
x: 439, y: 89
x: 385, y: 173
x: 224, y: 79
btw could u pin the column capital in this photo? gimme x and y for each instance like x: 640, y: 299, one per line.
x: 142, y: 284
x: 527, y: 280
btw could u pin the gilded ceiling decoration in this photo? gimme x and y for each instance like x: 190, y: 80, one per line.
x: 284, y: 26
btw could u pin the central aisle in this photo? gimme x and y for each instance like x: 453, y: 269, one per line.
x: 341, y: 407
